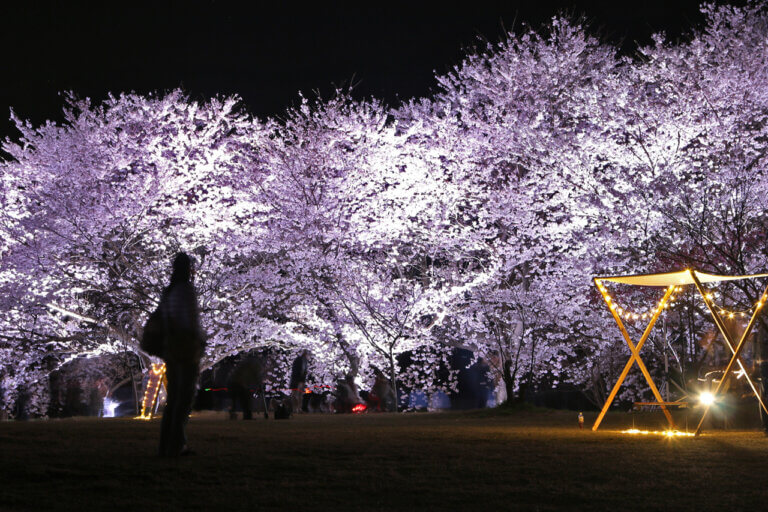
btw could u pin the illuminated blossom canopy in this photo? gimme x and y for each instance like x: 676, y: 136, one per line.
x: 474, y: 218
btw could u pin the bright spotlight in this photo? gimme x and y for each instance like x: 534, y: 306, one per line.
x: 109, y: 408
x: 706, y: 398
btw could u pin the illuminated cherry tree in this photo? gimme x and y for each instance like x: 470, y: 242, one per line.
x: 474, y: 218
x: 94, y: 209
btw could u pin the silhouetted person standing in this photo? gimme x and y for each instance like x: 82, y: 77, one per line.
x: 298, y: 380
x: 382, y: 394
x: 484, y: 384
x: 249, y: 374
x: 184, y: 348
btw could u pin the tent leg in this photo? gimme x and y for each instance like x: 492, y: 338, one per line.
x: 635, y: 350
x: 729, y: 341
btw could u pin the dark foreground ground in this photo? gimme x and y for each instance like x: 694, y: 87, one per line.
x: 484, y: 460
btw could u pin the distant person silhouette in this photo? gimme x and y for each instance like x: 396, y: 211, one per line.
x: 249, y: 374
x: 298, y: 380
x: 185, y: 342
x: 347, y: 394
x: 382, y: 394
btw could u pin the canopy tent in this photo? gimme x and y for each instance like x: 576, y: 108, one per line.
x: 680, y: 278
x: 673, y: 281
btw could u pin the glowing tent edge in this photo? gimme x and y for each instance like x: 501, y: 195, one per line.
x: 681, y: 277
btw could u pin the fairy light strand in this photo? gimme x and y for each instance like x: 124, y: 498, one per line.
x: 626, y: 313
x: 733, y: 313
x: 156, y: 374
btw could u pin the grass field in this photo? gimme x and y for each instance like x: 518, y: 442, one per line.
x: 482, y: 460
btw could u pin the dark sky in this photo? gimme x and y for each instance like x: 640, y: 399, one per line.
x: 268, y: 52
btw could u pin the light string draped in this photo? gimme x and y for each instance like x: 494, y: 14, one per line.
x: 625, y: 313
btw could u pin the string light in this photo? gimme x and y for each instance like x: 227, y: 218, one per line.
x: 733, y: 313
x: 627, y: 314
x: 156, y: 374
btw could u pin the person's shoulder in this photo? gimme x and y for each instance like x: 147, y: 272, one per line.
x: 188, y: 286
x: 184, y: 287
x: 165, y: 293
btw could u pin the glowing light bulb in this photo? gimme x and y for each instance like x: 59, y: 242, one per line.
x: 706, y: 398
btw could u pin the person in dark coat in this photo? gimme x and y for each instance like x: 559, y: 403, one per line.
x: 382, y: 395
x: 347, y: 394
x: 247, y: 376
x: 184, y: 344
x: 299, y: 380
x: 484, y: 383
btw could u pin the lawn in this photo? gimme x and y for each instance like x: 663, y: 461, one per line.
x: 483, y: 460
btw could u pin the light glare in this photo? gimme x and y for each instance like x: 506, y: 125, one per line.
x: 706, y: 398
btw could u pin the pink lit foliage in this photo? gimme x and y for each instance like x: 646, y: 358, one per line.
x: 357, y: 216
x: 523, y: 112
x: 474, y: 218
x: 93, y: 211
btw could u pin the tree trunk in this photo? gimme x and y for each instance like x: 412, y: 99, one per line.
x: 525, y: 383
x: 509, y: 381
x: 393, y: 376
x: 354, y: 360
x: 136, y: 402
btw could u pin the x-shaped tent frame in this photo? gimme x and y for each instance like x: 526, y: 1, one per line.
x: 672, y: 280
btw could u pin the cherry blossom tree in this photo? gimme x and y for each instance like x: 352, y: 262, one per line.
x: 474, y: 218
x: 94, y: 209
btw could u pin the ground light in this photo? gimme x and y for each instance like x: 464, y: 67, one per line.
x: 706, y: 398
x: 108, y: 410
x: 665, y: 433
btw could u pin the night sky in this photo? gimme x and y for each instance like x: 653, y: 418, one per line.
x: 267, y: 53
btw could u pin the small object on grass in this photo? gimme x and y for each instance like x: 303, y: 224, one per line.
x: 581, y: 421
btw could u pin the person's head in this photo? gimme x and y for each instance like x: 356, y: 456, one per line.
x: 182, y: 268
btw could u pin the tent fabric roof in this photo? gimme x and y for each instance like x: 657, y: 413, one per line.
x: 682, y: 277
